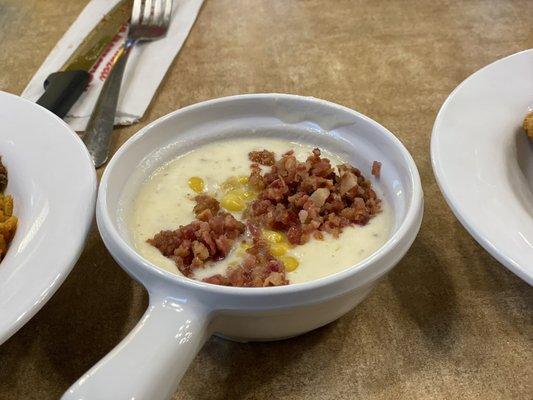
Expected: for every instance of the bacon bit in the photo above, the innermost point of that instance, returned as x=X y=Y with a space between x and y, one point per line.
x=263 y=157
x=253 y=229
x=256 y=180
x=260 y=268
x=216 y=280
x=376 y=169
x=200 y=251
x=318 y=235
x=275 y=279
x=206 y=202
x=210 y=237
x=294 y=235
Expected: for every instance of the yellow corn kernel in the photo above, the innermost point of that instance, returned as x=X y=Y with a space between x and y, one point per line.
x=243 y=180
x=232 y=202
x=248 y=195
x=289 y=262
x=278 y=249
x=231 y=183
x=244 y=195
x=237 y=192
x=196 y=184
x=241 y=250
x=273 y=236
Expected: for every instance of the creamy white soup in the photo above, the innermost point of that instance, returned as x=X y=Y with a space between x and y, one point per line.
x=165 y=201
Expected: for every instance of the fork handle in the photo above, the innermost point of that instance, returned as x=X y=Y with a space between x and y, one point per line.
x=97 y=136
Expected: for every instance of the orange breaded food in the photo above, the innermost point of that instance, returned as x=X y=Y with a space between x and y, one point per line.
x=528 y=124
x=8 y=222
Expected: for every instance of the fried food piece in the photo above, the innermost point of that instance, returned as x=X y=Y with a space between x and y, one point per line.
x=528 y=124
x=376 y=169
x=3 y=176
x=8 y=222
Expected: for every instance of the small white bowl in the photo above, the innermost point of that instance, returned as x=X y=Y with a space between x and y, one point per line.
x=183 y=313
x=53 y=184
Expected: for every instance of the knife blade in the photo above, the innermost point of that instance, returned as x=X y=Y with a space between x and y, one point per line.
x=64 y=87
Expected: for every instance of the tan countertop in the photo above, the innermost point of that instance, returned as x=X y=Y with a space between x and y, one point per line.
x=449 y=322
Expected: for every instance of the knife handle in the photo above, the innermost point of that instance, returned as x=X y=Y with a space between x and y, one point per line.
x=62 y=89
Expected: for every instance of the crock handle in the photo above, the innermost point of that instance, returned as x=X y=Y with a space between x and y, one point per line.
x=149 y=363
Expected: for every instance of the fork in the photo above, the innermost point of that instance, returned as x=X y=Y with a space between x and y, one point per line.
x=149 y=21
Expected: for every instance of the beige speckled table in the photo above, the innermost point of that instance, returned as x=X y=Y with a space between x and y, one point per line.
x=449 y=322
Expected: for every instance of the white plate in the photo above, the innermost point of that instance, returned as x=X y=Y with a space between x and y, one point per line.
x=53 y=182
x=483 y=161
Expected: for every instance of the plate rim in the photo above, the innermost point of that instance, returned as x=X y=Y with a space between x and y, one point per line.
x=15 y=322
x=466 y=222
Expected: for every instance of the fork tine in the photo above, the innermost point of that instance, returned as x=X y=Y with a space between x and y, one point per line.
x=147 y=12
x=136 y=13
x=151 y=21
x=167 y=13
x=158 y=13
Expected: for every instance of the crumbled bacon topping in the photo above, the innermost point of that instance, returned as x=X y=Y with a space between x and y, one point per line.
x=205 y=202
x=258 y=269
x=301 y=198
x=209 y=238
x=263 y=157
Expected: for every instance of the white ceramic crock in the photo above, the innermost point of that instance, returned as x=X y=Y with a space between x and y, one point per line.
x=183 y=313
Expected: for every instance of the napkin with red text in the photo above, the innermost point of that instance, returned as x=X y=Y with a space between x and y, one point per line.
x=145 y=70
